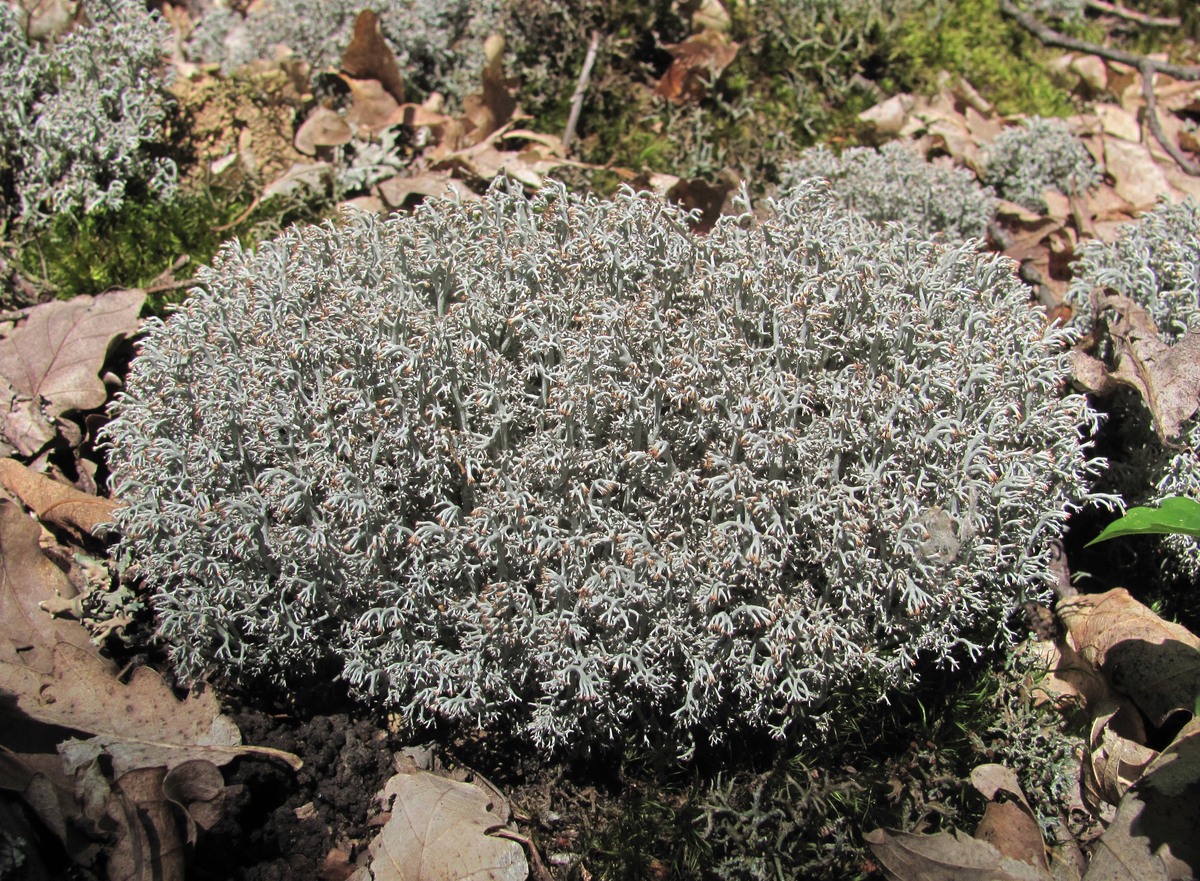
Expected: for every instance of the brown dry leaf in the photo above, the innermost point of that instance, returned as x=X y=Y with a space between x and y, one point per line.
x=57 y=352
x=945 y=856
x=484 y=161
x=1153 y=835
x=301 y=176
x=147 y=844
x=372 y=107
x=705 y=15
x=324 y=128
x=140 y=724
x=890 y=117
x=1166 y=376
x=53 y=502
x=24 y=424
x=487 y=112
x=368 y=57
x=699 y=60
x=1155 y=662
x=1114 y=762
x=27 y=579
x=46 y=19
x=395 y=191
x=439 y=831
x=1010 y=826
x=1138 y=179
x=197 y=788
x=711 y=200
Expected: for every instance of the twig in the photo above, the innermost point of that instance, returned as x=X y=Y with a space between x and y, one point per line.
x=1148 y=67
x=1156 y=128
x=1133 y=15
x=1051 y=37
x=237 y=220
x=539 y=868
x=580 y=90
x=170 y=285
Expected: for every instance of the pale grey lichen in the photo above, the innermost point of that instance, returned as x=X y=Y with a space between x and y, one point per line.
x=1155 y=261
x=558 y=464
x=79 y=117
x=438 y=43
x=1039 y=155
x=898 y=184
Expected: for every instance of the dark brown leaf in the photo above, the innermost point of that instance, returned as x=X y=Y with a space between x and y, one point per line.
x=369 y=57
x=699 y=60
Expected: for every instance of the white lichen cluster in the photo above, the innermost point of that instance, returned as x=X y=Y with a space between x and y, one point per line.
x=80 y=117
x=1039 y=155
x=555 y=463
x=898 y=184
x=438 y=43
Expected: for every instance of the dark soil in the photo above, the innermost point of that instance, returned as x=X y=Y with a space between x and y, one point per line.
x=305 y=825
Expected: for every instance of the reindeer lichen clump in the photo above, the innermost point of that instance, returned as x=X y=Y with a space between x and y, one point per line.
x=556 y=463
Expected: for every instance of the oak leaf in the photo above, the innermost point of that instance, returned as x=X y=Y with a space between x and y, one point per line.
x=439 y=831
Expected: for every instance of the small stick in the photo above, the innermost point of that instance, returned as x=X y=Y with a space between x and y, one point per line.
x=580 y=90
x=1051 y=37
x=1134 y=15
x=1147 y=70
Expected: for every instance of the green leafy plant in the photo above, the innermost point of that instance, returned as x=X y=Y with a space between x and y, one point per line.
x=1173 y=516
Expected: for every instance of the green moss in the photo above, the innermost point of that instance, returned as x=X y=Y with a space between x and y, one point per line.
x=770 y=810
x=973 y=38
x=135 y=246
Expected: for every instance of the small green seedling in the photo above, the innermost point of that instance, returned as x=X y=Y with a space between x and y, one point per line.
x=1174 y=516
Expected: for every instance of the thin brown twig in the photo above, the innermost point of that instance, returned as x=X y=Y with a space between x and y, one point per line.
x=170 y=285
x=1156 y=128
x=237 y=220
x=581 y=90
x=1133 y=15
x=1051 y=37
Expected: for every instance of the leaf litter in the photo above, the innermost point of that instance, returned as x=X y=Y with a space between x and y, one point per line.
x=145 y=778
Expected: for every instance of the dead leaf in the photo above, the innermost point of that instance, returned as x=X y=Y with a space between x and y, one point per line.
x=890 y=117
x=1114 y=762
x=324 y=128
x=699 y=60
x=710 y=200
x=197 y=788
x=395 y=191
x=1166 y=376
x=486 y=112
x=1137 y=178
x=28 y=579
x=301 y=176
x=368 y=57
x=945 y=857
x=1155 y=662
x=57 y=352
x=1153 y=835
x=56 y=503
x=147 y=841
x=372 y=107
x=140 y=724
x=1008 y=825
x=438 y=831
x=25 y=426
x=705 y=15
